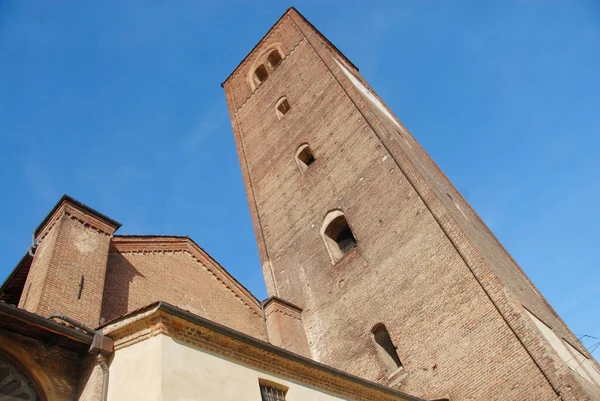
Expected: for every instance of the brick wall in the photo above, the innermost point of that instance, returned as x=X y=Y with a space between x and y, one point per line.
x=73 y=245
x=141 y=271
x=439 y=285
x=285 y=326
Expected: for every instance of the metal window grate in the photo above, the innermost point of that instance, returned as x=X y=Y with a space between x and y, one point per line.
x=269 y=393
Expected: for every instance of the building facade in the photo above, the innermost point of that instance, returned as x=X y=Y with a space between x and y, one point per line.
x=358 y=227
x=382 y=281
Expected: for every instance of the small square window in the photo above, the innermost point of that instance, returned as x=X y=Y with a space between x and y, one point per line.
x=272 y=393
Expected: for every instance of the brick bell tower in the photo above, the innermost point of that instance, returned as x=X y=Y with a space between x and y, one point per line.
x=399 y=280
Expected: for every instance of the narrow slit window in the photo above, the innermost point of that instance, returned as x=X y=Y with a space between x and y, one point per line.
x=283 y=106
x=260 y=74
x=386 y=349
x=272 y=392
x=337 y=235
x=304 y=157
x=274 y=58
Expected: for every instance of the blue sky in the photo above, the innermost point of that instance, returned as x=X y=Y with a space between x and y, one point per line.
x=119 y=105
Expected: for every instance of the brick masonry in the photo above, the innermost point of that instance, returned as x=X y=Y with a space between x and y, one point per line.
x=53 y=369
x=426 y=265
x=123 y=273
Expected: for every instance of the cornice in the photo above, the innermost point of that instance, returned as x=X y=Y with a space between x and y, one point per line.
x=80 y=216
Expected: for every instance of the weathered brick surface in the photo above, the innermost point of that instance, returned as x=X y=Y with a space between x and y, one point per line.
x=425 y=265
x=142 y=271
x=69 y=248
x=139 y=271
x=34 y=285
x=53 y=369
x=285 y=327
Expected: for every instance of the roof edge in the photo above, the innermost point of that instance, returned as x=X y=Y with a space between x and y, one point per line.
x=68 y=199
x=49 y=325
x=281 y=301
x=194 y=246
x=20 y=265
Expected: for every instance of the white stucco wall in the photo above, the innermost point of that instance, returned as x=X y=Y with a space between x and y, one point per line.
x=163 y=369
x=136 y=372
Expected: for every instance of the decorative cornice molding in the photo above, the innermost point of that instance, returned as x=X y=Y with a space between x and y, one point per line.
x=278 y=305
x=75 y=213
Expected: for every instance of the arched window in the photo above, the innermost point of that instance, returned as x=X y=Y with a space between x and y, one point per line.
x=14 y=384
x=282 y=107
x=304 y=157
x=264 y=65
x=386 y=349
x=260 y=74
x=274 y=58
x=337 y=235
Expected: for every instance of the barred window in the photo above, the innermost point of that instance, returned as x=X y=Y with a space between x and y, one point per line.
x=270 y=393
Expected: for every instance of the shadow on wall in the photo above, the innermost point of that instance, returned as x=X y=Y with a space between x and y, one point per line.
x=119 y=276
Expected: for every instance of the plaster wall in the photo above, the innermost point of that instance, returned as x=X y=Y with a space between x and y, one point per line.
x=161 y=368
x=135 y=372
x=193 y=374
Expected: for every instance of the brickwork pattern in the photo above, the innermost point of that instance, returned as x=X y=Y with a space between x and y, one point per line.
x=144 y=271
x=425 y=264
x=286 y=327
x=68 y=271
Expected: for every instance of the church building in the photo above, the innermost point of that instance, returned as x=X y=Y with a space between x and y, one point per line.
x=383 y=282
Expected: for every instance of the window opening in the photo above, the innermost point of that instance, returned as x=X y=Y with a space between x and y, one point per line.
x=270 y=392
x=260 y=74
x=283 y=106
x=274 y=59
x=304 y=157
x=386 y=348
x=15 y=384
x=337 y=235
